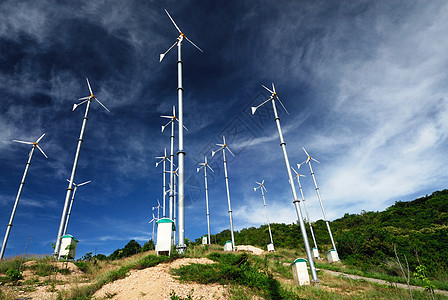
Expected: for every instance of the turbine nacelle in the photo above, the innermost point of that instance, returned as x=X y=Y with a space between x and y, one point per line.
x=173 y=118
x=260 y=185
x=273 y=97
x=309 y=158
x=204 y=165
x=223 y=147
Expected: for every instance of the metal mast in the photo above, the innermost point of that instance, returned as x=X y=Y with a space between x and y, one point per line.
x=308 y=160
x=223 y=148
x=296 y=201
x=181 y=152
x=205 y=166
x=71 y=203
x=75 y=165
x=22 y=182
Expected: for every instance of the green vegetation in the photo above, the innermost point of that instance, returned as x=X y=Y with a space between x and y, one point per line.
x=418 y=228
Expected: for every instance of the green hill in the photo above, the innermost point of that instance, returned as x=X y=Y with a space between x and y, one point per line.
x=418 y=228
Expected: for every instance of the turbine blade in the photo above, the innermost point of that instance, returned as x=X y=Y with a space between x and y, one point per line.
x=273 y=88
x=224 y=139
x=264 y=188
x=84 y=183
x=102 y=104
x=84 y=98
x=174 y=110
x=173 y=21
x=193 y=44
x=41 y=150
x=257 y=182
x=168 y=117
x=38 y=140
x=305 y=151
x=230 y=151
x=295 y=171
x=315 y=160
x=210 y=168
x=268 y=89
x=90 y=89
x=262 y=182
x=185 y=127
x=222 y=145
x=282 y=105
x=22 y=142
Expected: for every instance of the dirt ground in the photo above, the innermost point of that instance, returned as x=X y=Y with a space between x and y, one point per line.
x=157 y=283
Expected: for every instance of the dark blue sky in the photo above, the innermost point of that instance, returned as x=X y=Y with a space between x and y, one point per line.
x=364 y=82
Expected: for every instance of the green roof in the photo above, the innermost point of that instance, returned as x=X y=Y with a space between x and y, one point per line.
x=69 y=236
x=330 y=250
x=228 y=242
x=298 y=260
x=166 y=220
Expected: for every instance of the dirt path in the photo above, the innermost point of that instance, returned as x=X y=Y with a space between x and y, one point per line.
x=157 y=283
x=400 y=285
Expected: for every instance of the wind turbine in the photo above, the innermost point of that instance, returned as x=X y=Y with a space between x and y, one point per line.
x=87 y=99
x=71 y=202
x=172 y=119
x=308 y=161
x=181 y=152
x=163 y=159
x=316 y=254
x=158 y=209
x=30 y=155
x=296 y=201
x=263 y=189
x=223 y=148
x=153 y=220
x=205 y=166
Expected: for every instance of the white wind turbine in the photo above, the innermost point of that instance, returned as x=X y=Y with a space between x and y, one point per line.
x=316 y=252
x=71 y=203
x=181 y=152
x=172 y=119
x=87 y=99
x=163 y=159
x=158 y=209
x=153 y=220
x=296 y=201
x=204 y=166
x=308 y=161
x=223 y=148
x=30 y=155
x=263 y=189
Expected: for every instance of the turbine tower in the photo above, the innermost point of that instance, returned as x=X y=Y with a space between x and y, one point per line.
x=30 y=155
x=71 y=203
x=315 y=250
x=87 y=99
x=223 y=148
x=308 y=161
x=205 y=166
x=263 y=189
x=296 y=201
x=173 y=118
x=181 y=152
x=163 y=159
x=153 y=220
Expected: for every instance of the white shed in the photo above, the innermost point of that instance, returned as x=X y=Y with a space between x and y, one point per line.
x=271 y=247
x=228 y=246
x=332 y=256
x=300 y=271
x=68 y=247
x=204 y=240
x=165 y=228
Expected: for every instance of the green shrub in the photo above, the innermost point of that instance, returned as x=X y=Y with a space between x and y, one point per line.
x=14 y=275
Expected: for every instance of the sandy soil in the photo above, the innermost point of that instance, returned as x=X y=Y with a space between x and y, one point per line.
x=157 y=283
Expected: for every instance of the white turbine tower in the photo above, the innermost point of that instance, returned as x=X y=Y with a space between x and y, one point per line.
x=163 y=159
x=30 y=155
x=205 y=166
x=87 y=99
x=315 y=250
x=181 y=152
x=263 y=189
x=308 y=161
x=158 y=209
x=296 y=201
x=173 y=118
x=71 y=203
x=223 y=148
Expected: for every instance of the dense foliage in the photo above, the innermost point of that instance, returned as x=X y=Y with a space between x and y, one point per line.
x=418 y=228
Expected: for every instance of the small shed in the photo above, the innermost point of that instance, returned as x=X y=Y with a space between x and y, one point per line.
x=68 y=247
x=316 y=253
x=271 y=247
x=204 y=240
x=332 y=256
x=228 y=246
x=300 y=272
x=165 y=228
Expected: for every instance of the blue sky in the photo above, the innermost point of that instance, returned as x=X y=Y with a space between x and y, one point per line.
x=364 y=83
